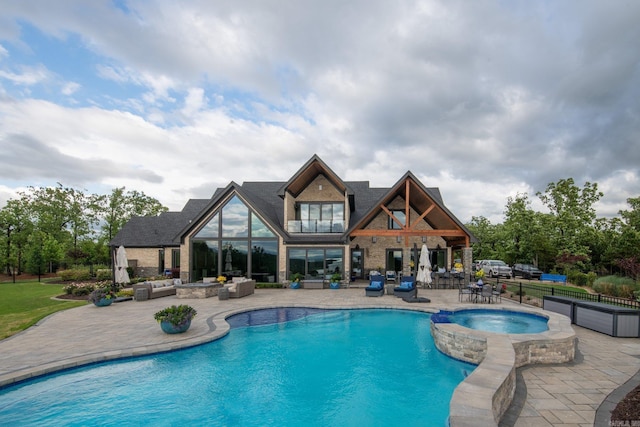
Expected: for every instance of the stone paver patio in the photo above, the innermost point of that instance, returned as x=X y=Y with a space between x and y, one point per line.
x=547 y=395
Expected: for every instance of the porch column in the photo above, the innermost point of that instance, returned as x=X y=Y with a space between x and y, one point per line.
x=467 y=259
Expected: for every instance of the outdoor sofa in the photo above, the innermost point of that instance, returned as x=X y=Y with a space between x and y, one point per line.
x=241 y=287
x=154 y=289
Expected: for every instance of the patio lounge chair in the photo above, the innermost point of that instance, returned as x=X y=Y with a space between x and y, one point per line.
x=390 y=276
x=376 y=286
x=407 y=288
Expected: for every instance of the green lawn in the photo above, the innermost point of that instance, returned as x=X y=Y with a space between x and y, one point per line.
x=24 y=303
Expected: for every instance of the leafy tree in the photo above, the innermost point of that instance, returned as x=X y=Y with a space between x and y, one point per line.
x=121 y=205
x=487 y=234
x=16 y=224
x=572 y=215
x=65 y=214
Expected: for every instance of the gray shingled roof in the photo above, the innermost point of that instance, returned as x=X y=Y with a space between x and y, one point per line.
x=164 y=230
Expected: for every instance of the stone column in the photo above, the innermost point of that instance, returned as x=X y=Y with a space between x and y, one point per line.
x=467 y=259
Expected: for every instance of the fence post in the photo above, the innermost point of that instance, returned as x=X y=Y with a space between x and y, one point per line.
x=520 y=285
x=599 y=298
x=552 y=290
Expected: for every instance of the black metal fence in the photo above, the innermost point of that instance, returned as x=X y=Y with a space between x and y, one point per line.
x=526 y=291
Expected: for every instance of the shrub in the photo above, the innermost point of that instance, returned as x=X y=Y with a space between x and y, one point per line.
x=577 y=278
x=616 y=286
x=75 y=274
x=103 y=274
x=125 y=293
x=79 y=289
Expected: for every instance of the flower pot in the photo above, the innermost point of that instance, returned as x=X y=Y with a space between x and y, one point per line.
x=170 y=328
x=103 y=302
x=334 y=285
x=295 y=285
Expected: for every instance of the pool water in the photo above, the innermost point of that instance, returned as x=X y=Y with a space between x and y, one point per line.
x=502 y=321
x=343 y=367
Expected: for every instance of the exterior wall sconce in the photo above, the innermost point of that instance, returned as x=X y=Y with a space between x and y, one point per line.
x=424 y=239
x=398 y=239
x=374 y=239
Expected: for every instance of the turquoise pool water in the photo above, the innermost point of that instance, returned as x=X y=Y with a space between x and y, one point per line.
x=311 y=368
x=502 y=321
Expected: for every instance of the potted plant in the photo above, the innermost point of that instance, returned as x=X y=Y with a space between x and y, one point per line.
x=102 y=296
x=479 y=276
x=295 y=280
x=221 y=279
x=175 y=319
x=335 y=281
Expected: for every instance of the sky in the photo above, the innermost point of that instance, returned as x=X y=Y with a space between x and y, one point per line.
x=482 y=99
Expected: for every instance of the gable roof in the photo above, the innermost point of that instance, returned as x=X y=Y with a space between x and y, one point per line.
x=307 y=173
x=266 y=198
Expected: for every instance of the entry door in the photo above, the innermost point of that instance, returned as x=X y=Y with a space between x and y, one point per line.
x=356 y=264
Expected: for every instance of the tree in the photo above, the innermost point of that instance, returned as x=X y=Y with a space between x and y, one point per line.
x=572 y=215
x=16 y=224
x=120 y=206
x=65 y=214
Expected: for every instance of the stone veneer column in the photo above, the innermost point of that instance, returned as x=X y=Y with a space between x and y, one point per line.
x=467 y=259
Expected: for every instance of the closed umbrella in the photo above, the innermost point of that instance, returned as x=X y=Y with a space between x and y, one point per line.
x=121 y=274
x=227 y=263
x=424 y=267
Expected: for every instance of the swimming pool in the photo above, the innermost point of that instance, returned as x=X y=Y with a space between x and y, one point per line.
x=501 y=321
x=340 y=367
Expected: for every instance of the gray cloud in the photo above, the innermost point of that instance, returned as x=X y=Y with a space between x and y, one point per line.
x=24 y=156
x=482 y=99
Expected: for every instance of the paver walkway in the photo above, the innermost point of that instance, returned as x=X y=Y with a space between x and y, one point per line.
x=558 y=395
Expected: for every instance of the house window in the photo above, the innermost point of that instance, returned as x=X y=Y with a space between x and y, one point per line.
x=318 y=217
x=399 y=214
x=235 y=242
x=175 y=258
x=316 y=263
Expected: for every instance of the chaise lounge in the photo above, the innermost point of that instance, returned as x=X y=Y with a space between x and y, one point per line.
x=407 y=288
x=376 y=286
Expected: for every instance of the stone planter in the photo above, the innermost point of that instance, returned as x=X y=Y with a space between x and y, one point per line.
x=170 y=328
x=103 y=302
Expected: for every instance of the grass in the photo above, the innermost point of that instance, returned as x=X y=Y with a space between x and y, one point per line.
x=25 y=303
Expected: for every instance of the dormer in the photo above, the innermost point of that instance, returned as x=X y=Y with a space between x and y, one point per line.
x=316 y=200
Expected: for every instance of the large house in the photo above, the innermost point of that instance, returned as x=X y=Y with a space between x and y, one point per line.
x=315 y=224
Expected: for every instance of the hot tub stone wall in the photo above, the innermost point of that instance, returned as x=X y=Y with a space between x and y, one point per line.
x=485 y=395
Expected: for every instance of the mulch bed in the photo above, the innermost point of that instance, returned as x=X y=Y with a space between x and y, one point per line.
x=628 y=409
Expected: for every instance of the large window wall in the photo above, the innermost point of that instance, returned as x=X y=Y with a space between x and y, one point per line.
x=316 y=263
x=235 y=242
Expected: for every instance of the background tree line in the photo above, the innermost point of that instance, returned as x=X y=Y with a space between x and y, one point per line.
x=51 y=227
x=569 y=238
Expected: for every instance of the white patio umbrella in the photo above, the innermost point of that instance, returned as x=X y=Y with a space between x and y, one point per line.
x=121 y=274
x=424 y=267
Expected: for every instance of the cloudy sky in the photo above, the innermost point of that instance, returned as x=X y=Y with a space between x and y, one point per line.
x=483 y=99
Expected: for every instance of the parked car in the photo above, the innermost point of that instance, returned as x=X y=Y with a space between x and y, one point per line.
x=495 y=268
x=526 y=271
